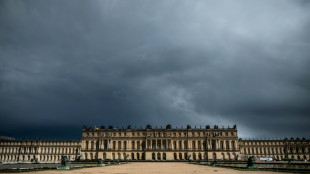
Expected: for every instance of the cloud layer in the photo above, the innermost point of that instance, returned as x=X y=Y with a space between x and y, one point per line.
x=69 y=63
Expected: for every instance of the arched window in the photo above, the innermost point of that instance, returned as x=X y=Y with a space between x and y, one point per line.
x=138 y=145
x=143 y=145
x=158 y=144
x=158 y=156
x=97 y=145
x=105 y=144
x=233 y=145
x=180 y=156
x=114 y=145
x=185 y=144
x=132 y=156
x=133 y=145
x=119 y=145
x=221 y=144
x=204 y=145
x=143 y=156
x=164 y=144
x=153 y=144
x=92 y=145
x=214 y=156
x=125 y=145
x=138 y=156
x=174 y=145
x=180 y=144
x=214 y=144
x=199 y=156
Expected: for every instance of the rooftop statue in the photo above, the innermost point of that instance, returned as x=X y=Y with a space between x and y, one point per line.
x=148 y=126
x=168 y=126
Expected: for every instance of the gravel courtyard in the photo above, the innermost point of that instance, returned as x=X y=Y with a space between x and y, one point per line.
x=153 y=167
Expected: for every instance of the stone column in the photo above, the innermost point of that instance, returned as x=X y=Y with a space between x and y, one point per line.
x=158 y=146
x=146 y=144
x=129 y=144
x=209 y=144
x=134 y=145
x=197 y=147
x=151 y=145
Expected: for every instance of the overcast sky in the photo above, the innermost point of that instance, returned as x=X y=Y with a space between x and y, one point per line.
x=64 y=64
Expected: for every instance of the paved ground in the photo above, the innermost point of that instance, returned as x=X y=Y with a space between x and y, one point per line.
x=37 y=166
x=153 y=167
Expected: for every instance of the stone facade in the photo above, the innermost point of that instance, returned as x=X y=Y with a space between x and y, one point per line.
x=38 y=151
x=160 y=144
x=276 y=149
x=154 y=144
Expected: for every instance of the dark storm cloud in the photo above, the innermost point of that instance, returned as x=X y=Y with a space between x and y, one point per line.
x=69 y=63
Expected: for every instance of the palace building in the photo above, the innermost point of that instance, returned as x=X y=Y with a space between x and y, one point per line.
x=154 y=144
